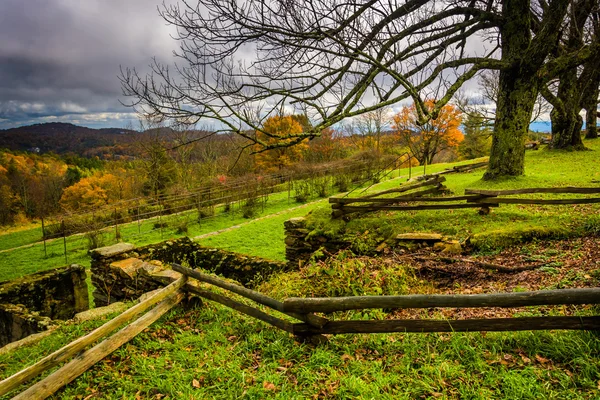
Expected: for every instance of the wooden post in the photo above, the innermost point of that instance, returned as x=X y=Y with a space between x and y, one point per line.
x=78 y=345
x=67 y=373
x=44 y=239
x=116 y=226
x=159 y=219
x=64 y=240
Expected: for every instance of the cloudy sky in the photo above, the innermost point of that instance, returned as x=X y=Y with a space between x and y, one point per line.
x=60 y=59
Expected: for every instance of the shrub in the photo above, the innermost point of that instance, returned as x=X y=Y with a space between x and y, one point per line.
x=181 y=227
x=342 y=182
x=158 y=225
x=205 y=212
x=94 y=239
x=344 y=275
x=250 y=207
x=302 y=191
x=321 y=186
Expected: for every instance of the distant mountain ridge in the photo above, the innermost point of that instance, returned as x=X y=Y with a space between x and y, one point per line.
x=62 y=138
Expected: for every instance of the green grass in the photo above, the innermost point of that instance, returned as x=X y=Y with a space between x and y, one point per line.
x=213 y=352
x=27 y=260
x=20 y=238
x=506 y=225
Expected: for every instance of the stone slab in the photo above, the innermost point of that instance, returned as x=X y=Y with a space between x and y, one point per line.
x=109 y=251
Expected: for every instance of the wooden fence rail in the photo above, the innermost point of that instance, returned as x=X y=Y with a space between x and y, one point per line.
x=299 y=307
x=475 y=198
x=302 y=309
x=163 y=301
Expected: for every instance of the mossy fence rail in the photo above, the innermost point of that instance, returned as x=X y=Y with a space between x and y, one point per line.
x=302 y=309
x=413 y=200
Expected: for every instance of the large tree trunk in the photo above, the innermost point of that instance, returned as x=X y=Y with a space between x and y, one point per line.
x=566 y=121
x=517 y=90
x=590 y=122
x=590 y=102
x=513 y=112
x=566 y=130
x=571 y=93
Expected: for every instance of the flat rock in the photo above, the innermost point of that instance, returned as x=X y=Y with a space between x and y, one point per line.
x=109 y=251
x=99 y=312
x=420 y=237
x=129 y=267
x=167 y=276
x=452 y=247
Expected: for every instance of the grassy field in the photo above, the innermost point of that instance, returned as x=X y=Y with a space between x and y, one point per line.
x=214 y=352
x=32 y=258
x=505 y=225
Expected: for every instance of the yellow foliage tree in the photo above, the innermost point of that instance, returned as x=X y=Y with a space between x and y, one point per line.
x=277 y=130
x=96 y=191
x=437 y=135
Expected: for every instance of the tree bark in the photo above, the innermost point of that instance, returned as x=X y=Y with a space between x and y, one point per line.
x=590 y=100
x=517 y=94
x=519 y=83
x=590 y=122
x=514 y=108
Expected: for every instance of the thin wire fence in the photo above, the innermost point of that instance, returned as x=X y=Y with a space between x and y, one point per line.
x=152 y=219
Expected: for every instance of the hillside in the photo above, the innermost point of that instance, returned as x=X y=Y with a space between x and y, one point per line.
x=64 y=138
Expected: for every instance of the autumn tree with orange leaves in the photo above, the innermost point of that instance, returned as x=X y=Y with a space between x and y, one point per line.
x=279 y=130
x=428 y=140
x=95 y=191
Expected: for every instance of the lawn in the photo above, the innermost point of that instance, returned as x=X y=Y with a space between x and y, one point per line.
x=32 y=258
x=506 y=225
x=215 y=352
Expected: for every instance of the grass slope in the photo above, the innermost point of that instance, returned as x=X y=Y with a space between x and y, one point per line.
x=26 y=260
x=213 y=352
x=506 y=224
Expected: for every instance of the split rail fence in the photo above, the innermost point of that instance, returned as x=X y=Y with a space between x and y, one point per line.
x=302 y=309
x=412 y=200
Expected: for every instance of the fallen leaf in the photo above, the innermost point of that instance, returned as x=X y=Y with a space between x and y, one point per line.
x=269 y=386
x=541 y=360
x=196 y=383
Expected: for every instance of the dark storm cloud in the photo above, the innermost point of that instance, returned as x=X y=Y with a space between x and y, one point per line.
x=59 y=59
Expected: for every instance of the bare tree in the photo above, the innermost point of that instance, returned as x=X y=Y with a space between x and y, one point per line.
x=241 y=62
x=373 y=124
x=574 y=88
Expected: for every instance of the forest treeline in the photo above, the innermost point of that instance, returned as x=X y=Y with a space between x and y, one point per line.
x=168 y=162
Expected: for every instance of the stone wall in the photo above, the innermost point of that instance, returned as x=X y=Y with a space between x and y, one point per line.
x=58 y=294
x=17 y=322
x=29 y=304
x=299 y=245
x=123 y=271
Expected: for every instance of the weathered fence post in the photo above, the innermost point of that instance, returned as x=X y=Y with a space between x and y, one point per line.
x=64 y=239
x=44 y=239
x=116 y=226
